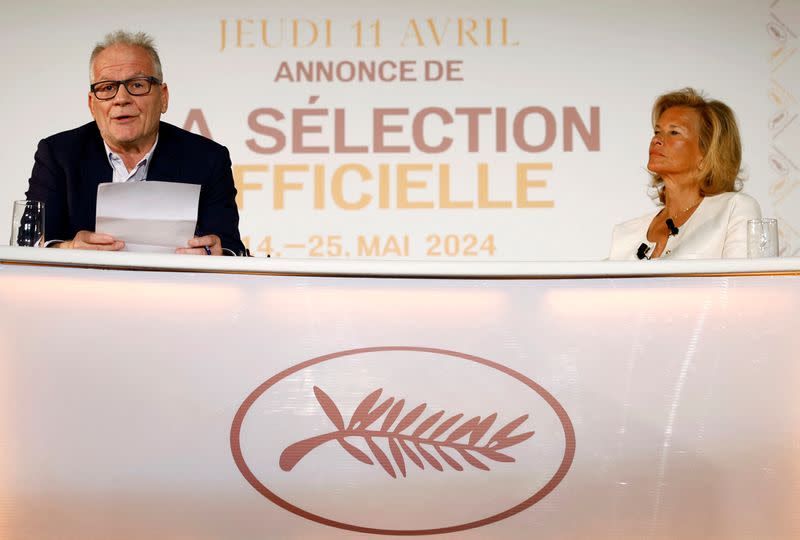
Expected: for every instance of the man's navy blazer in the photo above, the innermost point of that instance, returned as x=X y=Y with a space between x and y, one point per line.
x=69 y=166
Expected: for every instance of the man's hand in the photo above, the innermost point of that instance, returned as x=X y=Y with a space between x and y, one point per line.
x=203 y=245
x=91 y=240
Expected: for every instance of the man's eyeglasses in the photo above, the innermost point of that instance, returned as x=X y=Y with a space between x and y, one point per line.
x=138 y=86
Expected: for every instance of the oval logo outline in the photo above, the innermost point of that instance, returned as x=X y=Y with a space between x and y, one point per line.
x=252 y=479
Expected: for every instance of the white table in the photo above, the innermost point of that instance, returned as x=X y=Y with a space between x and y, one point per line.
x=153 y=396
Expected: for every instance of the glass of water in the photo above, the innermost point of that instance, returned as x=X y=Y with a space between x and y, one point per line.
x=27 y=224
x=762 y=238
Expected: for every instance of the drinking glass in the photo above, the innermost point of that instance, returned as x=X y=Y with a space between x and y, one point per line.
x=762 y=238
x=27 y=224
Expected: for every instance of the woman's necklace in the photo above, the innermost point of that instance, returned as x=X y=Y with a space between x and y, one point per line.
x=670 y=221
x=679 y=213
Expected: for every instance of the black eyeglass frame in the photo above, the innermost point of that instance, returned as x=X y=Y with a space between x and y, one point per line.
x=152 y=80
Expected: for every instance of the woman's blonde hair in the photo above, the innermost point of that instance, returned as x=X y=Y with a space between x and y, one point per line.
x=720 y=143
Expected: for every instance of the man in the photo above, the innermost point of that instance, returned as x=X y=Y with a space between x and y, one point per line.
x=128 y=142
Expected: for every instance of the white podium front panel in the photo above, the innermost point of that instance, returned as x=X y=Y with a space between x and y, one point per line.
x=143 y=404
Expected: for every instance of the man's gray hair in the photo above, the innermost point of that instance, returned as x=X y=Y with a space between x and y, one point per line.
x=134 y=39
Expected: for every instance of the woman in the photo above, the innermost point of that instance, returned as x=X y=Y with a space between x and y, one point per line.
x=695 y=154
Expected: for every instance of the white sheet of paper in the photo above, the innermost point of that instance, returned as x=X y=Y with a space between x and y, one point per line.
x=148 y=216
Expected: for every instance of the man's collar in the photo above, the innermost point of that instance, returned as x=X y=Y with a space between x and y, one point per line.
x=111 y=155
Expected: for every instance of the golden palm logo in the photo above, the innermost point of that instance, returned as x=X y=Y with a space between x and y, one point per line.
x=420 y=445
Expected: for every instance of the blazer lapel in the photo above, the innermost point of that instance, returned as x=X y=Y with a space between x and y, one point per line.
x=166 y=164
x=95 y=168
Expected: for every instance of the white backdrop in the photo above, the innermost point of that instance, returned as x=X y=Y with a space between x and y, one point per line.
x=613 y=58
